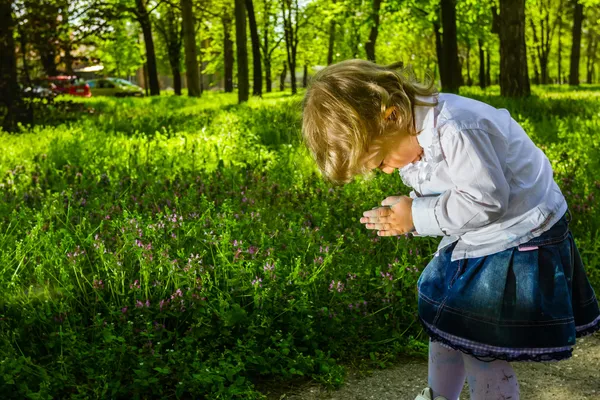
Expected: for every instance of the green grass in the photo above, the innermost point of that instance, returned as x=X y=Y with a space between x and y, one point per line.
x=186 y=248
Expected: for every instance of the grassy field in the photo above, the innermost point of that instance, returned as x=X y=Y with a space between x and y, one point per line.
x=186 y=248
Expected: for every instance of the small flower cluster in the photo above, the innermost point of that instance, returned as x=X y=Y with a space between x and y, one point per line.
x=76 y=254
x=339 y=286
x=412 y=269
x=257 y=280
x=194 y=260
x=270 y=269
x=357 y=305
x=387 y=275
x=135 y=285
x=98 y=284
x=139 y=304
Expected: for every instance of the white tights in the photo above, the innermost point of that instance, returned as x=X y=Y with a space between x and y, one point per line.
x=487 y=380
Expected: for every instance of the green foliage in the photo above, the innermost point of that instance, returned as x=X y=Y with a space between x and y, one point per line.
x=121 y=51
x=173 y=247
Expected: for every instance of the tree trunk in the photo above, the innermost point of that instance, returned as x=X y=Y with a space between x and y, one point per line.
x=176 y=79
x=536 y=72
x=290 y=29
x=268 y=79
x=242 y=50
x=144 y=19
x=439 y=49
x=305 y=76
x=592 y=43
x=330 y=48
x=469 y=80
x=451 y=77
x=256 y=61
x=482 y=82
x=514 y=81
x=282 y=77
x=370 y=45
x=488 y=75
x=559 y=51
x=576 y=47
x=227 y=52
x=189 y=41
x=9 y=86
x=266 y=51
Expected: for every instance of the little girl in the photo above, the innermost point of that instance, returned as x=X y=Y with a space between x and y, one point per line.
x=507 y=282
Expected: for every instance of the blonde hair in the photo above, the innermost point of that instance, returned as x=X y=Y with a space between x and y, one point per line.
x=344 y=109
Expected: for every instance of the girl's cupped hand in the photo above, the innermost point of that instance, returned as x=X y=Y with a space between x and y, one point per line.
x=394 y=218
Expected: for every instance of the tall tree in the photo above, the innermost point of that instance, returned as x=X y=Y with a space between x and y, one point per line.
x=330 y=47
x=170 y=27
x=227 y=50
x=269 y=19
x=191 y=56
x=374 y=31
x=559 y=50
x=482 y=82
x=544 y=17
x=44 y=25
x=139 y=10
x=256 y=59
x=592 y=51
x=291 y=16
x=9 y=87
x=282 y=77
x=451 y=78
x=242 y=50
x=576 y=47
x=510 y=26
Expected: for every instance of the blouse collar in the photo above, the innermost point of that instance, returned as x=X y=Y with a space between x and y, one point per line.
x=425 y=121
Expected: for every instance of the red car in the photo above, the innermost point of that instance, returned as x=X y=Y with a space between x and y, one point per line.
x=71 y=85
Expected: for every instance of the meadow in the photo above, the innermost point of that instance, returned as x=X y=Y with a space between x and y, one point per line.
x=171 y=247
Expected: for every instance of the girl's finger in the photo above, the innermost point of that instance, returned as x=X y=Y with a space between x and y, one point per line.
x=378 y=212
x=392 y=232
x=374 y=220
x=382 y=227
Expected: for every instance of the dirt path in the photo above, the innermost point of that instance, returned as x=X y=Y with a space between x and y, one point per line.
x=577 y=378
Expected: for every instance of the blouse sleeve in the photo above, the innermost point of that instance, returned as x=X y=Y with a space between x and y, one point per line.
x=480 y=193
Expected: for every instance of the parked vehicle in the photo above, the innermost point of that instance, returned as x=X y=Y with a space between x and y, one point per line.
x=114 y=87
x=64 y=84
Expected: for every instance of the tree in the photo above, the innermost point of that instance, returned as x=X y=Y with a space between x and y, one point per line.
x=227 y=50
x=451 y=77
x=119 y=50
x=242 y=51
x=510 y=26
x=544 y=18
x=374 y=31
x=267 y=49
x=291 y=15
x=482 y=80
x=576 y=47
x=170 y=26
x=189 y=40
x=10 y=100
x=331 y=42
x=256 y=61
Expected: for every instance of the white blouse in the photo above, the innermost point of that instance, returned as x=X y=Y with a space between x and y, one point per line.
x=481 y=181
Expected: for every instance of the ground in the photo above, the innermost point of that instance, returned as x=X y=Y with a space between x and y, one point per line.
x=577 y=378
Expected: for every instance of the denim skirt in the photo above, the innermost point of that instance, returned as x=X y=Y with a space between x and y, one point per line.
x=526 y=303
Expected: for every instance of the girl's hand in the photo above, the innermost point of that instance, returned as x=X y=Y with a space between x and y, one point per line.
x=394 y=218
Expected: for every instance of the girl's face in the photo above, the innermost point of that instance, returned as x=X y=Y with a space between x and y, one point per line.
x=395 y=152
